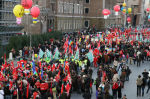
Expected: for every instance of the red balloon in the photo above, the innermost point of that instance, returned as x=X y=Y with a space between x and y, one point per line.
x=147 y=9
x=117 y=8
x=105 y=12
x=27 y=4
x=129 y=19
x=35 y=12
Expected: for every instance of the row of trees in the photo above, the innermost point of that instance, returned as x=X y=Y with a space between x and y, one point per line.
x=18 y=42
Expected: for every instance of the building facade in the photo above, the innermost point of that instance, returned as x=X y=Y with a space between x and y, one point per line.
x=93 y=13
x=8 y=26
x=69 y=15
x=45 y=19
x=137 y=15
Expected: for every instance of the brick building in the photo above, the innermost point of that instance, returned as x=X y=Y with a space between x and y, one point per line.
x=69 y=15
x=93 y=13
x=45 y=19
x=8 y=26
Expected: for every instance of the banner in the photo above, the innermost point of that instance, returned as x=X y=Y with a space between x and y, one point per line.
x=90 y=55
x=41 y=53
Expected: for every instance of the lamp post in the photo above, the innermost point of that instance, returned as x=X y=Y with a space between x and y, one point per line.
x=19 y=11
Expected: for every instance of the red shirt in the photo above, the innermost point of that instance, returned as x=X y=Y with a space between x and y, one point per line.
x=44 y=86
x=37 y=84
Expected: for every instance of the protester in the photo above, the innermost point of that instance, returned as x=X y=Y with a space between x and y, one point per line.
x=148 y=83
x=139 y=83
x=58 y=68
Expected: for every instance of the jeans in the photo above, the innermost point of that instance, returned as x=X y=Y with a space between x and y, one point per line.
x=138 y=63
x=143 y=87
x=115 y=93
x=127 y=77
x=138 y=90
x=8 y=97
x=148 y=89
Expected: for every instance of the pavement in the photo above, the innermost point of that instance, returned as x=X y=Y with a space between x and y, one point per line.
x=130 y=86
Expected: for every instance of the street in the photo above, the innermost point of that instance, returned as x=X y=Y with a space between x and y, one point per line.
x=130 y=86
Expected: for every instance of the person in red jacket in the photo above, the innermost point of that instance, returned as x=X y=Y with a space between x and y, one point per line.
x=37 y=84
x=114 y=89
x=44 y=89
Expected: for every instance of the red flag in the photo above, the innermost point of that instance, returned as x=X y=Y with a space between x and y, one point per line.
x=10 y=85
x=99 y=44
x=70 y=50
x=1 y=76
x=104 y=76
x=65 y=79
x=27 y=95
x=12 y=64
x=116 y=40
x=62 y=88
x=58 y=76
x=66 y=45
x=53 y=68
x=76 y=47
x=40 y=64
x=34 y=95
x=131 y=42
x=67 y=88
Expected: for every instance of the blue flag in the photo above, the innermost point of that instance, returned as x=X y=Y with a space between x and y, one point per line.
x=49 y=54
x=77 y=54
x=90 y=56
x=56 y=55
x=137 y=37
x=33 y=67
x=42 y=72
x=41 y=53
x=141 y=37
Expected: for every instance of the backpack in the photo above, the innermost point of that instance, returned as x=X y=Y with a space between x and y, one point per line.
x=115 y=86
x=15 y=93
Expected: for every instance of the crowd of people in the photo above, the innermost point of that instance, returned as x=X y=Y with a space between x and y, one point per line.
x=58 y=68
x=142 y=82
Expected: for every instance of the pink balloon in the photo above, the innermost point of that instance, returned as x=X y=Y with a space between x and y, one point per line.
x=105 y=12
x=129 y=19
x=18 y=20
x=117 y=8
x=147 y=9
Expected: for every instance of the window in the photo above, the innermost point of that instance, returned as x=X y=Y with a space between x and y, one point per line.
x=86 y=10
x=87 y=1
x=86 y=23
